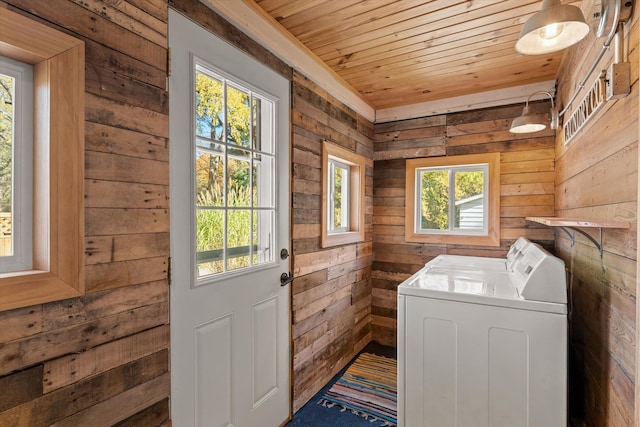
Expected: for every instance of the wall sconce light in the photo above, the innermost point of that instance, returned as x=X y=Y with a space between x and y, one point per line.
x=528 y=122
x=555 y=27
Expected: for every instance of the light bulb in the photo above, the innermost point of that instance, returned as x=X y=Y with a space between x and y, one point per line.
x=551 y=31
x=528 y=128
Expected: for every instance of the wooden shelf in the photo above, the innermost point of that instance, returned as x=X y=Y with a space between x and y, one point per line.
x=578 y=222
x=566 y=224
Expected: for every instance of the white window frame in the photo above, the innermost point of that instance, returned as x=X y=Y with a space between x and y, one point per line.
x=451 y=171
x=22 y=167
x=268 y=232
x=345 y=193
x=460 y=236
x=353 y=200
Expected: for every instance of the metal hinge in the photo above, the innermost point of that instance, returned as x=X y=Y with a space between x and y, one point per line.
x=168 y=62
x=169 y=270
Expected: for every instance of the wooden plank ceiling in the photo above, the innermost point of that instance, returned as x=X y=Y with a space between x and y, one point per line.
x=402 y=52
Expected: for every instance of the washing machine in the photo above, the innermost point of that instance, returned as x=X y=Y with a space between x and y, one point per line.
x=484 y=347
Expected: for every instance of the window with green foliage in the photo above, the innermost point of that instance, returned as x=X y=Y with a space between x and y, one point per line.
x=453 y=199
x=234 y=173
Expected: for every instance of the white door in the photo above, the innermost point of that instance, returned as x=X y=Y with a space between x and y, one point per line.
x=229 y=146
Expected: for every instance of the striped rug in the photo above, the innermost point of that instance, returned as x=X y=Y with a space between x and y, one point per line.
x=368 y=389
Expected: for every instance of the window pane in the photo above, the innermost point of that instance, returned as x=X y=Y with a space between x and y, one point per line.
x=239 y=239
x=339 y=195
x=263 y=175
x=209 y=179
x=434 y=195
x=238 y=117
x=263 y=236
x=209 y=107
x=469 y=203
x=7 y=84
x=256 y=123
x=262 y=131
x=238 y=178
x=209 y=241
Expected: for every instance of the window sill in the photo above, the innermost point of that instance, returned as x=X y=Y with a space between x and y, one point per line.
x=42 y=287
x=342 y=238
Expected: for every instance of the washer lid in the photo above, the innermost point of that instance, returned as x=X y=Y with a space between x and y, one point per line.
x=472 y=286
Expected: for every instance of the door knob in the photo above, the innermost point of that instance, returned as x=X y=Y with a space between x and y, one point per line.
x=285 y=279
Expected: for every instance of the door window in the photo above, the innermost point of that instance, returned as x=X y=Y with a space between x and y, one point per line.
x=234 y=174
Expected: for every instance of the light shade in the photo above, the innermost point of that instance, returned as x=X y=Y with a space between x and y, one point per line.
x=554 y=28
x=528 y=122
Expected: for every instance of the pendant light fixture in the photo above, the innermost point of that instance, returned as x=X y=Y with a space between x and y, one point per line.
x=555 y=27
x=528 y=122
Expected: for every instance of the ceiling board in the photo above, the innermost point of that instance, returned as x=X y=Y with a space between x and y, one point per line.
x=404 y=52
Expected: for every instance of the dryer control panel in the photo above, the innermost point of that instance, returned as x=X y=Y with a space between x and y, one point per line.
x=516 y=251
x=540 y=276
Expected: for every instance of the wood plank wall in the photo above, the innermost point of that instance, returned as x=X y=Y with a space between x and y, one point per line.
x=110 y=347
x=103 y=359
x=527 y=189
x=596 y=177
x=332 y=291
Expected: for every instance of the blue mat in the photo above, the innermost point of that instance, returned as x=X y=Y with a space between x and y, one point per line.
x=367 y=389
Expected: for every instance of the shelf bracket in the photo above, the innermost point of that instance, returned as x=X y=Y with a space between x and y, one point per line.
x=571 y=236
x=597 y=244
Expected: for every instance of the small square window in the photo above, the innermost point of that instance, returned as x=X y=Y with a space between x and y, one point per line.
x=343 y=175
x=453 y=200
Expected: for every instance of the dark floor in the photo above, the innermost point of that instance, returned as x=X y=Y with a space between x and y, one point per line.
x=314 y=415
